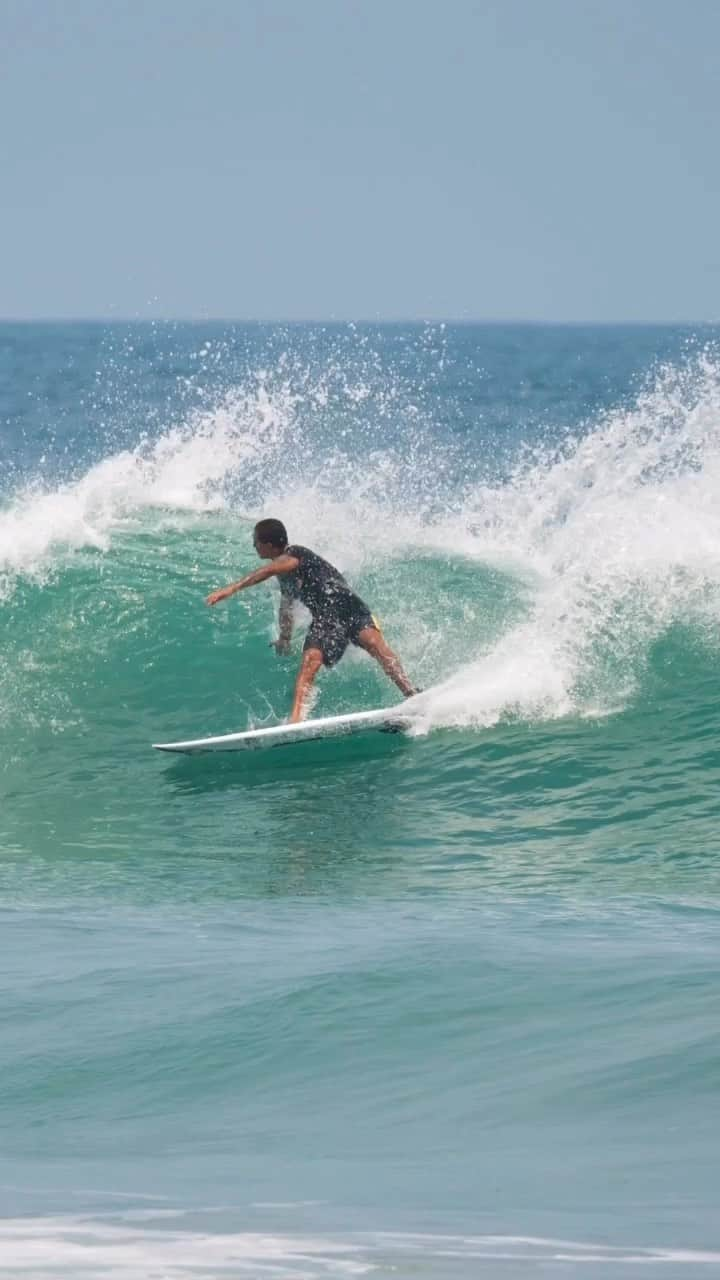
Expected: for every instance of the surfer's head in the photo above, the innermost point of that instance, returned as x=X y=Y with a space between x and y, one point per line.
x=270 y=538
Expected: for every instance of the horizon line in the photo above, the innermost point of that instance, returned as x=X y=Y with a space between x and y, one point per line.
x=363 y=320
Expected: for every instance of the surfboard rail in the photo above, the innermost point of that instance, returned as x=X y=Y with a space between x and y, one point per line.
x=390 y=719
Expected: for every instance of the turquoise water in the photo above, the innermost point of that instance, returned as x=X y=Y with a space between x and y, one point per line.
x=439 y=1005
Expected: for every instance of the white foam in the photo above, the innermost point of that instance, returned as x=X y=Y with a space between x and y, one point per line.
x=43 y=1248
x=183 y=471
x=622 y=535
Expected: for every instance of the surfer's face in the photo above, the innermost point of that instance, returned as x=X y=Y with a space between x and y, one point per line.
x=265 y=550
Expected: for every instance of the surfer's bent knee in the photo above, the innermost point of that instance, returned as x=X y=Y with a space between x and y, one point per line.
x=371 y=638
x=312 y=659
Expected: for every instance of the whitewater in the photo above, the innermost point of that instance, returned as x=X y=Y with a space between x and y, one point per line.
x=442 y=1002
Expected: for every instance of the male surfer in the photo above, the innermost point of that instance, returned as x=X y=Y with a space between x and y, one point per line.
x=339 y=617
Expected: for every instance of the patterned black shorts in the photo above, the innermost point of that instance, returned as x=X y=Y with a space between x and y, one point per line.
x=333 y=632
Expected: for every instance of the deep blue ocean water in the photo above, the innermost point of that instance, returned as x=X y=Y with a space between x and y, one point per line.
x=440 y=1005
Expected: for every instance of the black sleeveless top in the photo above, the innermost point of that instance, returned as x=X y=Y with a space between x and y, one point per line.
x=318 y=585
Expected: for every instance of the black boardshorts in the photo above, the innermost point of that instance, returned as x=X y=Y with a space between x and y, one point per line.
x=332 y=632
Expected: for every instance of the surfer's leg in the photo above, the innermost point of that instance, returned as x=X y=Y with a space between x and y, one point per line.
x=312 y=661
x=375 y=644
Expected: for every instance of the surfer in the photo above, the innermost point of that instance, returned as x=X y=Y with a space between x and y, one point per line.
x=339 y=617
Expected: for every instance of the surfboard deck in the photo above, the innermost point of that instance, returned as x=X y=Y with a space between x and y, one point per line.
x=386 y=719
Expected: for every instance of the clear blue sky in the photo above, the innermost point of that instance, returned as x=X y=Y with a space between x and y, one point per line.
x=290 y=159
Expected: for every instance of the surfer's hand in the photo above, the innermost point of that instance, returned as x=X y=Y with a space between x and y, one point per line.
x=281 y=647
x=216 y=596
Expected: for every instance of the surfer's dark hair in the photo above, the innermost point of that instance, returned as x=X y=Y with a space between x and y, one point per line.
x=272 y=531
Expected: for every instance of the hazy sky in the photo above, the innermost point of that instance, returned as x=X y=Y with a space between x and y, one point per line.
x=538 y=159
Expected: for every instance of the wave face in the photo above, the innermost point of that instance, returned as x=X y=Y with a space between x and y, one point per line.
x=443 y=987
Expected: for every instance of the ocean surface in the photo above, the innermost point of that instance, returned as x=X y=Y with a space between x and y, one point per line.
x=443 y=1005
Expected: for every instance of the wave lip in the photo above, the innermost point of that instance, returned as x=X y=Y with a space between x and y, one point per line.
x=618 y=540
x=183 y=471
x=609 y=540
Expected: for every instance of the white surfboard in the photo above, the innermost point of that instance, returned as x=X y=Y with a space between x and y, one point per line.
x=388 y=719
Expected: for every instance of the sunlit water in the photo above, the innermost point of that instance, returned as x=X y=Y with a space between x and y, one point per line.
x=443 y=1004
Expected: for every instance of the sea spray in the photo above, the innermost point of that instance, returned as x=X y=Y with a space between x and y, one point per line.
x=443 y=1003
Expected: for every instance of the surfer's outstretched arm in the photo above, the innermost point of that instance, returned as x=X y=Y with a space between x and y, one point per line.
x=283 y=564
